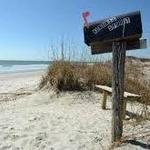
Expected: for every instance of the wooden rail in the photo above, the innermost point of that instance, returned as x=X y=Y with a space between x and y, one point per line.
x=108 y=91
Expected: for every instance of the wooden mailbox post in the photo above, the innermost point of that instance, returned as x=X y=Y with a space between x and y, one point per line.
x=116 y=34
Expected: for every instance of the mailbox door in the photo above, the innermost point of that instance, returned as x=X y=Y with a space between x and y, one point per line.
x=126 y=26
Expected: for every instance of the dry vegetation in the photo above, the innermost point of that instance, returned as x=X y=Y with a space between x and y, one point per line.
x=63 y=75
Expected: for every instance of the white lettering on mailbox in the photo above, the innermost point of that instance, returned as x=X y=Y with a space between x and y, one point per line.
x=103 y=25
x=112 y=24
x=119 y=23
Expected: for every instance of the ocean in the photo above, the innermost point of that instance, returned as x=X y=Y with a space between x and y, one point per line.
x=13 y=66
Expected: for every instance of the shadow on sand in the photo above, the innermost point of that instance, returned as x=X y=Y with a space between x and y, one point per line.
x=138 y=143
x=135 y=142
x=132 y=115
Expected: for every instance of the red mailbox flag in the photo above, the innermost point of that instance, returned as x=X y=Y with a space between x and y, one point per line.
x=85 y=15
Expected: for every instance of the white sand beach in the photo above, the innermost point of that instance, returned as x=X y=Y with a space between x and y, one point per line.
x=31 y=119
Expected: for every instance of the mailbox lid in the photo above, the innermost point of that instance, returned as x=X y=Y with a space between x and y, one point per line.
x=126 y=26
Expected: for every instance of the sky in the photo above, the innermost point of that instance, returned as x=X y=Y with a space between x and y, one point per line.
x=30 y=28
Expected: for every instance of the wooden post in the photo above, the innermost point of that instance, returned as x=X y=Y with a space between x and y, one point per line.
x=119 y=53
x=104 y=100
x=124 y=108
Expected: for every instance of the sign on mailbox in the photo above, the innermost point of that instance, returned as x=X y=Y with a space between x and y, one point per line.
x=127 y=26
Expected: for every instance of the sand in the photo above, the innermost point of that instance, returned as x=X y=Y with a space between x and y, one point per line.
x=31 y=119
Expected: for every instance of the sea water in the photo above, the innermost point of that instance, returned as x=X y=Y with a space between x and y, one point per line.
x=13 y=66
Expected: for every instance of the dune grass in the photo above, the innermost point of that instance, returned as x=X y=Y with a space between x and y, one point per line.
x=65 y=75
x=72 y=76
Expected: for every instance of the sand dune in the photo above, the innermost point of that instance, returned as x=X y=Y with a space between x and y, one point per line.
x=39 y=120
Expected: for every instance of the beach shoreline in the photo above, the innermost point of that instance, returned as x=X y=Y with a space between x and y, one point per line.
x=22 y=73
x=12 y=66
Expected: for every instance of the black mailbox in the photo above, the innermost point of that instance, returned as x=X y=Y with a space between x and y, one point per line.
x=127 y=26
